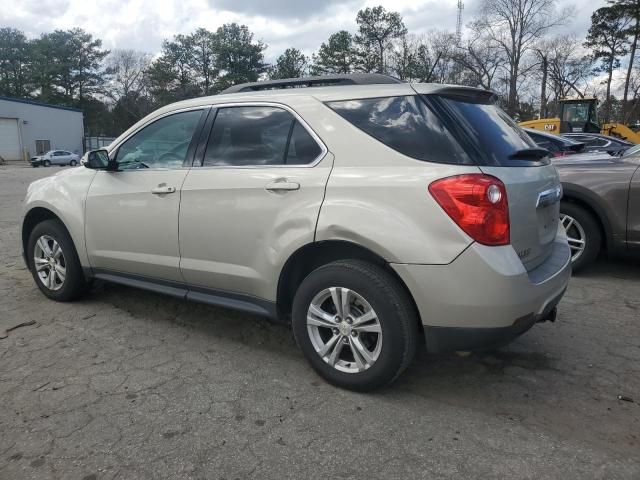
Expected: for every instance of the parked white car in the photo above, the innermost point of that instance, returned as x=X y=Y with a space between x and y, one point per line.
x=55 y=157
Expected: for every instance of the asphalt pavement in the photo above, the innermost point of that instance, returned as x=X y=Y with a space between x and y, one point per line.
x=127 y=384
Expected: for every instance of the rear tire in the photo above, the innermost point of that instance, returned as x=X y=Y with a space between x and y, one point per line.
x=374 y=351
x=583 y=233
x=58 y=275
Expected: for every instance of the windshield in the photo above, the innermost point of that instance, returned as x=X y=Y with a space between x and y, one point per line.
x=631 y=151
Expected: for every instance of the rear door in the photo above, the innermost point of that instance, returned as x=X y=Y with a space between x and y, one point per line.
x=252 y=199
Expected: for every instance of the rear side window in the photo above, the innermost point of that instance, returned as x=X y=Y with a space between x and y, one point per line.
x=404 y=124
x=257 y=135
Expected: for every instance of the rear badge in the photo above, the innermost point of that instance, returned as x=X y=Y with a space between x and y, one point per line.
x=524 y=253
x=549 y=197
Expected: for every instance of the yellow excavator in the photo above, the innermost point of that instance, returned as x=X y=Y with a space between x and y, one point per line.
x=581 y=115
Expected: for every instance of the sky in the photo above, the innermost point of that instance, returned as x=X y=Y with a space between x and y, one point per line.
x=304 y=24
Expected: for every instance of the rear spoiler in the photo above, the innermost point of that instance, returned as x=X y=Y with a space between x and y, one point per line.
x=467 y=94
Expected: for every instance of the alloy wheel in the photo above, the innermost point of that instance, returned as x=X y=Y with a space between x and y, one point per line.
x=575 y=236
x=344 y=329
x=49 y=262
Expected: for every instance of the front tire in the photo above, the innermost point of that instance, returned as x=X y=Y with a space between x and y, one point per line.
x=583 y=234
x=46 y=163
x=73 y=163
x=54 y=262
x=355 y=324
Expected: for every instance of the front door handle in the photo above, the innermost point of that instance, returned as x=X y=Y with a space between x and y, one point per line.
x=163 y=190
x=282 y=186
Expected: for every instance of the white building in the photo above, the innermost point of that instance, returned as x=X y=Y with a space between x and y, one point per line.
x=29 y=128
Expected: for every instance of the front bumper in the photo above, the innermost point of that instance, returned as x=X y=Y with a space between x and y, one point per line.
x=485 y=296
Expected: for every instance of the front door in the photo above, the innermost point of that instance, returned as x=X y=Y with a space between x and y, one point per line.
x=132 y=213
x=254 y=200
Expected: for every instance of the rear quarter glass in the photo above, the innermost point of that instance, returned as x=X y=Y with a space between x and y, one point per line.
x=405 y=124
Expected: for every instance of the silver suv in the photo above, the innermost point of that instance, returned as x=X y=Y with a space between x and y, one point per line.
x=371 y=214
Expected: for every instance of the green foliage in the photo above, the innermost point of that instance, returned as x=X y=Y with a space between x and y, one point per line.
x=607 y=37
x=336 y=55
x=377 y=28
x=291 y=64
x=14 y=63
x=240 y=58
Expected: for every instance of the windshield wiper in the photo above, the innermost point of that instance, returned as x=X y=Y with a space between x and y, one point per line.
x=527 y=153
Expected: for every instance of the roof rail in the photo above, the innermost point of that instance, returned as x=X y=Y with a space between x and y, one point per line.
x=315 y=81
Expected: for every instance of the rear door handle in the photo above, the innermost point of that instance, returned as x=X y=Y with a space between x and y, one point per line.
x=282 y=186
x=163 y=190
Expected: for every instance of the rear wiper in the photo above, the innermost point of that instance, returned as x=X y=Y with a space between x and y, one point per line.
x=527 y=153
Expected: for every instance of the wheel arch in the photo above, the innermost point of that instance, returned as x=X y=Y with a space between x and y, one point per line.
x=313 y=255
x=32 y=218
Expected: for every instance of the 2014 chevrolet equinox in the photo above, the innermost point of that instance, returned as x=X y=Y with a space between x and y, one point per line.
x=369 y=212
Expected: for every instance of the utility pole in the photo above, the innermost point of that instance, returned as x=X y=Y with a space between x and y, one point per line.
x=459 y=24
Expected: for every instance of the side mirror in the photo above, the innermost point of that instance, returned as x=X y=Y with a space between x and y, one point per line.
x=97 y=159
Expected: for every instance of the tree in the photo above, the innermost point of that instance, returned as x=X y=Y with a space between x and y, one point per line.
x=291 y=64
x=336 y=55
x=239 y=58
x=631 y=10
x=607 y=39
x=203 y=42
x=515 y=25
x=14 y=63
x=480 y=60
x=65 y=65
x=86 y=62
x=426 y=58
x=377 y=28
x=127 y=84
x=174 y=69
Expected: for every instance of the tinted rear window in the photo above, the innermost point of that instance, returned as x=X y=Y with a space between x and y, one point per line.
x=486 y=132
x=405 y=124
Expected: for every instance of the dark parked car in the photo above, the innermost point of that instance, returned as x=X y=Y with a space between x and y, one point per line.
x=557 y=145
x=600 y=209
x=596 y=142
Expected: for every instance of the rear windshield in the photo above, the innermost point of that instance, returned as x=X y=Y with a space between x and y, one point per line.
x=442 y=129
x=405 y=124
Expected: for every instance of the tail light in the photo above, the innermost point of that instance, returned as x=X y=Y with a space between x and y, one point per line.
x=478 y=205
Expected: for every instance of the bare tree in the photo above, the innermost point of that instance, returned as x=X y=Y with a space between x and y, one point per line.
x=569 y=69
x=480 y=59
x=126 y=70
x=515 y=25
x=423 y=58
x=126 y=84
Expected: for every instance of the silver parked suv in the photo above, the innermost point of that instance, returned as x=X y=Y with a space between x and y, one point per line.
x=368 y=212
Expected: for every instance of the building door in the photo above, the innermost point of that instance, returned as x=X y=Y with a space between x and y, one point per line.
x=42 y=146
x=9 y=139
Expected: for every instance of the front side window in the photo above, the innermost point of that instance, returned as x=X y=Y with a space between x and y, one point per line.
x=404 y=124
x=163 y=144
x=258 y=135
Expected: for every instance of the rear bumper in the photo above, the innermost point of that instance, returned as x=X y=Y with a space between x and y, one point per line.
x=485 y=297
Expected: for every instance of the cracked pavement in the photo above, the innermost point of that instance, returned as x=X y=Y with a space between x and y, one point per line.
x=129 y=384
